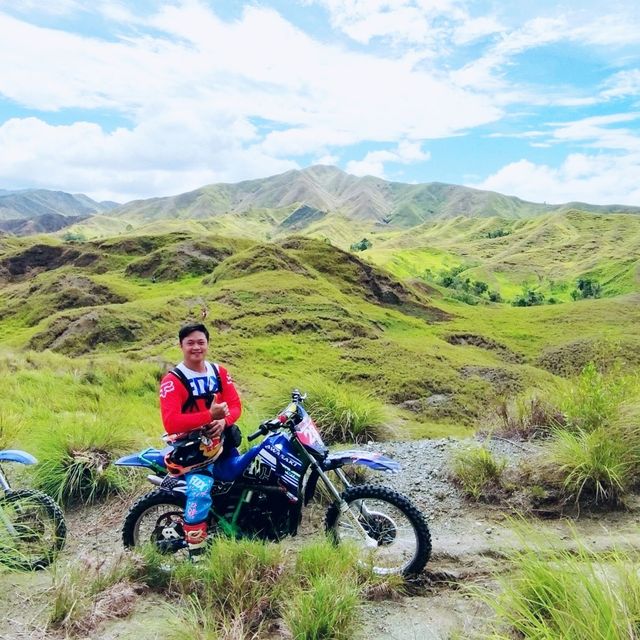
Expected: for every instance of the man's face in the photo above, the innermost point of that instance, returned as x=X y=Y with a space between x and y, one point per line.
x=194 y=347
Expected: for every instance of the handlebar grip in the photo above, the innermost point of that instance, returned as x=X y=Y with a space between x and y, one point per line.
x=254 y=435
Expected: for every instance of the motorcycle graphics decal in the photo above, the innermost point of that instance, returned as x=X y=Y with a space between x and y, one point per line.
x=262 y=466
x=277 y=451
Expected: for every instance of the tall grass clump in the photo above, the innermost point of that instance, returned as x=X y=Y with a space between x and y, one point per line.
x=242 y=586
x=325 y=610
x=595 y=457
x=598 y=466
x=477 y=471
x=236 y=586
x=594 y=398
x=345 y=414
x=528 y=417
x=75 y=461
x=573 y=595
x=86 y=593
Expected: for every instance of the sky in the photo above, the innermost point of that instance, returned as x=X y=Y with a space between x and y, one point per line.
x=126 y=100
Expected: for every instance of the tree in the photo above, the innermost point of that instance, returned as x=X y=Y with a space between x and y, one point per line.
x=586 y=288
x=363 y=245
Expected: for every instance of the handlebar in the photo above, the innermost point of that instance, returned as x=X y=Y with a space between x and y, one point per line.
x=265 y=427
x=280 y=420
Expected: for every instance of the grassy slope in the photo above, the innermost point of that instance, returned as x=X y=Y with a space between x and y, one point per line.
x=550 y=251
x=275 y=329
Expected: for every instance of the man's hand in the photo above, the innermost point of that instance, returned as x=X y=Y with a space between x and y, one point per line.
x=215 y=428
x=219 y=411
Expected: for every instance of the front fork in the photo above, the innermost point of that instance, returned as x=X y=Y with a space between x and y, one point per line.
x=342 y=504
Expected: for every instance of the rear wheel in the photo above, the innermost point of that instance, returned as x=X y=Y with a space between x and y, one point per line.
x=32 y=529
x=156 y=517
x=391 y=531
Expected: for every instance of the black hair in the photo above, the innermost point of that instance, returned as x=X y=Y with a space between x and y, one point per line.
x=191 y=328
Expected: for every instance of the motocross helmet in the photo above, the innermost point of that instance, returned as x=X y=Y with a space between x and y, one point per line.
x=192 y=453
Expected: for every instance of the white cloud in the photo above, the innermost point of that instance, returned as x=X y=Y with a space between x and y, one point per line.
x=622 y=84
x=374 y=162
x=598 y=179
x=191 y=97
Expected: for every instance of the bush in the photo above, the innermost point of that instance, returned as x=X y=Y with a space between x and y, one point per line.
x=363 y=245
x=477 y=471
x=586 y=288
x=594 y=399
x=558 y=593
x=528 y=417
x=528 y=298
x=345 y=414
x=75 y=461
x=599 y=465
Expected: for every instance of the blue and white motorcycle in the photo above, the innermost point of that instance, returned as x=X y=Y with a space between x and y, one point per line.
x=32 y=527
x=260 y=494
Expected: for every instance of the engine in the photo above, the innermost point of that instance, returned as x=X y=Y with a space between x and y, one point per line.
x=267 y=515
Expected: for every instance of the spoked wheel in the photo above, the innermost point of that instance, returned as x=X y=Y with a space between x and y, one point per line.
x=387 y=526
x=32 y=529
x=157 y=517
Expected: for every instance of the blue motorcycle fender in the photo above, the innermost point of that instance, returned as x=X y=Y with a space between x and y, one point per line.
x=371 y=459
x=336 y=460
x=15 y=455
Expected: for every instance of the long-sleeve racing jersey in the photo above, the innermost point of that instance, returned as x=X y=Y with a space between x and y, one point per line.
x=174 y=396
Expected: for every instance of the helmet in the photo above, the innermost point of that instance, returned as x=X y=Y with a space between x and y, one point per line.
x=192 y=453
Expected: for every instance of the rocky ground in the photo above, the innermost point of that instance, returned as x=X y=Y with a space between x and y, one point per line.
x=469 y=543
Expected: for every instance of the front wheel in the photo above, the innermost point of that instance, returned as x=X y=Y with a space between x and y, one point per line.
x=32 y=529
x=386 y=525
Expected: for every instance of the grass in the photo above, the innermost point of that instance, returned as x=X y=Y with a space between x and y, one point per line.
x=526 y=417
x=346 y=414
x=477 y=471
x=241 y=586
x=76 y=461
x=557 y=594
x=599 y=466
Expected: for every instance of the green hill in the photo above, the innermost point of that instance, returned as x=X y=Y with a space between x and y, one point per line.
x=283 y=313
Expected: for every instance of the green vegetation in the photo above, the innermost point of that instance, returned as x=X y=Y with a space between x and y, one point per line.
x=346 y=414
x=558 y=593
x=478 y=471
x=362 y=245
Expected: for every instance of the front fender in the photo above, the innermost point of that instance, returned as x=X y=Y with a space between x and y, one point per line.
x=15 y=455
x=371 y=459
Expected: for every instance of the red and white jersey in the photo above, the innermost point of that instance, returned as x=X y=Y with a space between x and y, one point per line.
x=174 y=395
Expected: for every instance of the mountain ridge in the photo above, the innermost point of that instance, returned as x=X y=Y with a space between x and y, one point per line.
x=330 y=190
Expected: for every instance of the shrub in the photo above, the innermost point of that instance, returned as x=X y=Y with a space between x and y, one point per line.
x=594 y=399
x=363 y=245
x=576 y=595
x=345 y=414
x=586 y=288
x=528 y=298
x=527 y=417
x=75 y=461
x=477 y=471
x=598 y=465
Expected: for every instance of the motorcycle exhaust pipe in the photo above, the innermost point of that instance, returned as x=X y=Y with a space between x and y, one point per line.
x=153 y=479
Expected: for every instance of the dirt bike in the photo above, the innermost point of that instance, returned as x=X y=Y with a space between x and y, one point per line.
x=261 y=493
x=32 y=527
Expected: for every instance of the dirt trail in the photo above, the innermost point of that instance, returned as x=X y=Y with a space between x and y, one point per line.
x=469 y=544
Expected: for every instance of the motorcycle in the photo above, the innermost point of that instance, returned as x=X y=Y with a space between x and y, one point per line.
x=32 y=526
x=261 y=493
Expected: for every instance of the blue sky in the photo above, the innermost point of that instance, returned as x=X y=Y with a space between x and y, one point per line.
x=123 y=100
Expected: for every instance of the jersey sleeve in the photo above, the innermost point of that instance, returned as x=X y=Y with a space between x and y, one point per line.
x=173 y=395
x=230 y=396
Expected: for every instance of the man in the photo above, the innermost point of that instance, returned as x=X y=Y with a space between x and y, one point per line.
x=210 y=402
